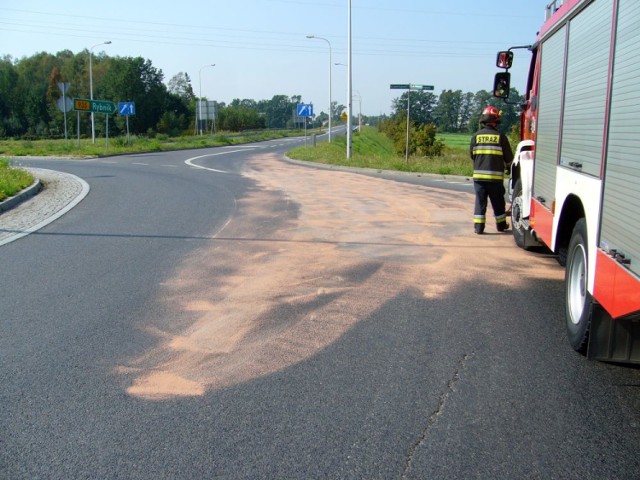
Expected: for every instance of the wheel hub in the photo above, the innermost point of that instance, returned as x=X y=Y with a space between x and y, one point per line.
x=577 y=288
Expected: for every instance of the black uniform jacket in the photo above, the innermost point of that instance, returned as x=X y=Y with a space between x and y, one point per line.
x=491 y=154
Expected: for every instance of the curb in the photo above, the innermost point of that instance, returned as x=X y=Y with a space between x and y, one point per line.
x=327 y=166
x=62 y=192
x=23 y=195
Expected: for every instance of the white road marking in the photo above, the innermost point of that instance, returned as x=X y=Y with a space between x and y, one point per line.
x=189 y=161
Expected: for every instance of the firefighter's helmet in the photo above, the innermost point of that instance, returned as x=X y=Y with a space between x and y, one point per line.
x=490 y=115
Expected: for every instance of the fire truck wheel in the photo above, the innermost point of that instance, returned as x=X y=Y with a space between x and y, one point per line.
x=518 y=228
x=578 y=300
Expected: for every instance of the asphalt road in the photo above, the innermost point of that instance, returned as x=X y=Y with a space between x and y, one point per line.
x=239 y=316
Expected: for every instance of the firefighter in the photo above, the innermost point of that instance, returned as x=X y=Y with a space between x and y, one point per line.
x=492 y=155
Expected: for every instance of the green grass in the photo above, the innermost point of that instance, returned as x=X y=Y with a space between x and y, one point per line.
x=12 y=180
x=457 y=141
x=370 y=148
x=117 y=145
x=373 y=149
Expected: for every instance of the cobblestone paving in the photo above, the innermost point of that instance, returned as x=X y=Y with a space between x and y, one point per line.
x=61 y=192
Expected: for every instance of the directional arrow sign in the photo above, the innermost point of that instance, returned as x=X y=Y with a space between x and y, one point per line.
x=95 y=106
x=305 y=110
x=127 y=108
x=103 y=106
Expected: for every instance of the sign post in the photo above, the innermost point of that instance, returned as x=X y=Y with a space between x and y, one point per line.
x=126 y=109
x=408 y=87
x=305 y=110
x=64 y=103
x=94 y=106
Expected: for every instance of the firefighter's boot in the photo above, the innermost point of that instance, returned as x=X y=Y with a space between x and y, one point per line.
x=502 y=226
x=501 y=222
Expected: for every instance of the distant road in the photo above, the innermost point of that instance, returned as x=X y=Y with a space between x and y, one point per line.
x=223 y=313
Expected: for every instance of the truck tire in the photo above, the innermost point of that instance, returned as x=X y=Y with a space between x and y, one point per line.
x=518 y=228
x=578 y=300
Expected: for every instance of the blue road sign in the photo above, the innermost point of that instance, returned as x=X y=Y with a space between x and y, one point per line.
x=305 y=110
x=127 y=108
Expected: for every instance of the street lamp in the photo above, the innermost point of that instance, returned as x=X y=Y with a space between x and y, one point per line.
x=93 y=125
x=200 y=99
x=349 y=80
x=330 y=98
x=359 y=97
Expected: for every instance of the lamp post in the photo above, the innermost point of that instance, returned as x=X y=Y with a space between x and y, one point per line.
x=199 y=128
x=330 y=98
x=93 y=125
x=359 y=97
x=349 y=83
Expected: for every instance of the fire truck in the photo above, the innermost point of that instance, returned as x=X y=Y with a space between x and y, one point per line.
x=575 y=179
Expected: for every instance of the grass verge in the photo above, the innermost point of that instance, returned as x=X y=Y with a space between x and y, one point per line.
x=12 y=180
x=135 y=144
x=370 y=148
x=373 y=149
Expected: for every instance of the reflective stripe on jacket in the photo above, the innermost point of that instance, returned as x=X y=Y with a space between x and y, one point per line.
x=491 y=154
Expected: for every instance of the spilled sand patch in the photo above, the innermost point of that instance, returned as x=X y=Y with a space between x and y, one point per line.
x=309 y=254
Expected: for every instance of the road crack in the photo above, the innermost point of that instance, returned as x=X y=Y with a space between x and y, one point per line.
x=433 y=418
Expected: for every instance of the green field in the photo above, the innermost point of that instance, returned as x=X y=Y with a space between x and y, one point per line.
x=456 y=140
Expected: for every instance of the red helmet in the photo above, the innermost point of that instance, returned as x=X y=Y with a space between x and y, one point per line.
x=490 y=115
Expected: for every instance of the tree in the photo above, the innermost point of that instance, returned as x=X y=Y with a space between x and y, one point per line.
x=448 y=111
x=510 y=111
x=277 y=111
x=9 y=121
x=465 y=111
x=135 y=80
x=238 y=117
x=336 y=110
x=31 y=93
x=53 y=94
x=180 y=85
x=422 y=106
x=246 y=102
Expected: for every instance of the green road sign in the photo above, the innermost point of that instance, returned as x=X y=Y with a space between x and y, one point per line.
x=400 y=86
x=95 y=106
x=421 y=87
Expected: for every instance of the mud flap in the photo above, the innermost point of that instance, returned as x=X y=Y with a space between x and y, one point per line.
x=613 y=340
x=530 y=240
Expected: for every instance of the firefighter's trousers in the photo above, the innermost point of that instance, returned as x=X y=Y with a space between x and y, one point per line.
x=494 y=191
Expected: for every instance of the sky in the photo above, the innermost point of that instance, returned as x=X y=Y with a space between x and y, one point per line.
x=260 y=47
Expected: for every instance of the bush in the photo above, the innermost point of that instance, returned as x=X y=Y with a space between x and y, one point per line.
x=422 y=138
